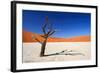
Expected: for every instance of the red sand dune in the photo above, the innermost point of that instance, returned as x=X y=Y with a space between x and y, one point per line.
x=34 y=37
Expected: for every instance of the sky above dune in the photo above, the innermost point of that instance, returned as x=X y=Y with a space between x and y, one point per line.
x=67 y=24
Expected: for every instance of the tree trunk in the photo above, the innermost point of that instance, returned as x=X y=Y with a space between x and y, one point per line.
x=43 y=48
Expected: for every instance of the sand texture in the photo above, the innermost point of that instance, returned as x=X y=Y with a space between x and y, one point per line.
x=74 y=50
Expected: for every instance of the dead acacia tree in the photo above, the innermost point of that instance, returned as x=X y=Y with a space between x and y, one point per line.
x=47 y=30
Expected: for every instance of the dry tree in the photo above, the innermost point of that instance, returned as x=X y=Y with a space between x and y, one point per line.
x=47 y=30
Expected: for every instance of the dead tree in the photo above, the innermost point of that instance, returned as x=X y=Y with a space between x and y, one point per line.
x=47 y=30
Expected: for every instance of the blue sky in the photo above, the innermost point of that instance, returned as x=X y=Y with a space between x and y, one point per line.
x=68 y=24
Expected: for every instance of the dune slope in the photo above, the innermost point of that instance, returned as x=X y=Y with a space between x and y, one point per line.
x=34 y=37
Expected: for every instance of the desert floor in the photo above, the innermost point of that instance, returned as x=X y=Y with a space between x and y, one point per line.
x=74 y=50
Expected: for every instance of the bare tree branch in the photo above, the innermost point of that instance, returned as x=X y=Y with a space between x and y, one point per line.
x=43 y=29
x=36 y=39
x=49 y=32
x=52 y=32
x=47 y=29
x=45 y=26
